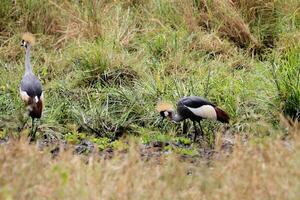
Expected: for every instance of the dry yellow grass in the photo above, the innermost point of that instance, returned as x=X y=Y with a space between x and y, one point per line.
x=223 y=17
x=269 y=170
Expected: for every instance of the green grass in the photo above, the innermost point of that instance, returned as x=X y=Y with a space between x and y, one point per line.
x=286 y=74
x=105 y=72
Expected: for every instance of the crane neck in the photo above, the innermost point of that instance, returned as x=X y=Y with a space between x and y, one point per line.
x=28 y=68
x=176 y=117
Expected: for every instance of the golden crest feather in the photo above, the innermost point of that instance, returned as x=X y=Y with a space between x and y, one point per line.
x=28 y=37
x=164 y=106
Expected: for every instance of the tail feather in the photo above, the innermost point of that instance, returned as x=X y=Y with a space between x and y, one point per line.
x=222 y=116
x=35 y=107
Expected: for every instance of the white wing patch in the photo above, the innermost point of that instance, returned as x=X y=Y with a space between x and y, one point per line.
x=24 y=95
x=206 y=111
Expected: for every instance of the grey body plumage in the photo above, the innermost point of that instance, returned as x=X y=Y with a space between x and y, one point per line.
x=30 y=87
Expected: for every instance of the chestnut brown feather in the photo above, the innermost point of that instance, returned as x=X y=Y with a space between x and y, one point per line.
x=36 y=108
x=222 y=116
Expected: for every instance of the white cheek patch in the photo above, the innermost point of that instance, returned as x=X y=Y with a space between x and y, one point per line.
x=166 y=113
x=24 y=96
x=206 y=111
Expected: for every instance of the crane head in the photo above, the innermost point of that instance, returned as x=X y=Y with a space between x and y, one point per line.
x=27 y=39
x=164 y=109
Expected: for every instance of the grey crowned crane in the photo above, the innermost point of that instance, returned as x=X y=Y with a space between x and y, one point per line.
x=193 y=108
x=30 y=88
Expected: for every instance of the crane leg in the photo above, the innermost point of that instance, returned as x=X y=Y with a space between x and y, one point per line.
x=184 y=128
x=196 y=131
x=202 y=133
x=33 y=131
x=23 y=124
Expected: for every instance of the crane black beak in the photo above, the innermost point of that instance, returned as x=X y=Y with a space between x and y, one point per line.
x=162 y=117
x=161 y=120
x=160 y=123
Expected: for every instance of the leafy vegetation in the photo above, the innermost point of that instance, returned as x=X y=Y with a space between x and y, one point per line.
x=104 y=72
x=104 y=65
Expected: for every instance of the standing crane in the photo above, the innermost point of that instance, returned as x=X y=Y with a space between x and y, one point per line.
x=193 y=108
x=30 y=88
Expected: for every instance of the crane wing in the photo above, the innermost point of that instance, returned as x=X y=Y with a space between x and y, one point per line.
x=198 y=106
x=195 y=102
